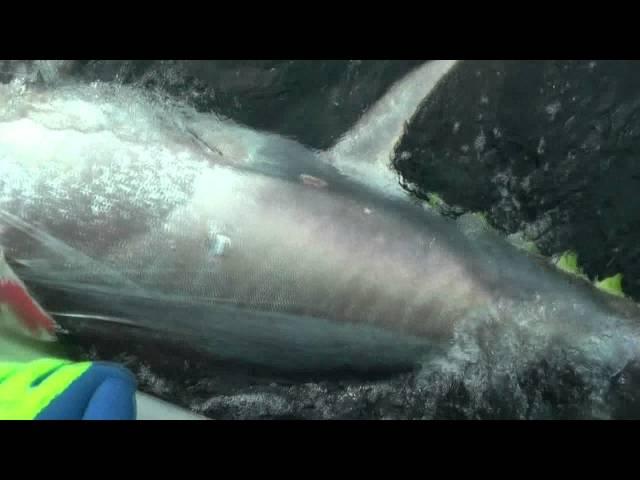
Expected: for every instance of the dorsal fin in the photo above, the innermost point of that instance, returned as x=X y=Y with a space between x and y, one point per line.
x=364 y=152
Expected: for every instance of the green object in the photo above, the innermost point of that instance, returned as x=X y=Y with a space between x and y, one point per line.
x=612 y=285
x=27 y=388
x=568 y=262
x=518 y=240
x=434 y=200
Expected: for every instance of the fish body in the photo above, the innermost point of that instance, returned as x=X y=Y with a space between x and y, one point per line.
x=261 y=250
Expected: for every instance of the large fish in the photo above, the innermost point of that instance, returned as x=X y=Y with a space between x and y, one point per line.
x=138 y=210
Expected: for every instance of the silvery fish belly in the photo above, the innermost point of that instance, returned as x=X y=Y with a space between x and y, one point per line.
x=179 y=221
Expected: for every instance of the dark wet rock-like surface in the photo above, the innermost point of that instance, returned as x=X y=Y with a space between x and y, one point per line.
x=547 y=148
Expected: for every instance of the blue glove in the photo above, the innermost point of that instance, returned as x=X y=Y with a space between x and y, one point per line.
x=54 y=389
x=103 y=392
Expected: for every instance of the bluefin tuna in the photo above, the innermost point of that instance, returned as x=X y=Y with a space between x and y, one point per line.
x=262 y=250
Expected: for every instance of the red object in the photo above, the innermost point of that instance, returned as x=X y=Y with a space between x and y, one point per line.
x=25 y=308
